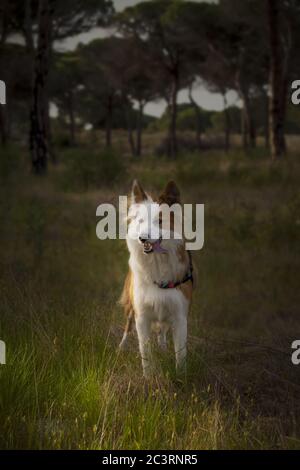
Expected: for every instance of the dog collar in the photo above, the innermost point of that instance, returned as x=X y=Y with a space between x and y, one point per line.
x=172 y=285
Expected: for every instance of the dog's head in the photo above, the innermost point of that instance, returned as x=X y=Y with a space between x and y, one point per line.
x=155 y=224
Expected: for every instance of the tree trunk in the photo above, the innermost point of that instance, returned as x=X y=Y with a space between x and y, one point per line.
x=286 y=77
x=72 y=119
x=139 y=129
x=227 y=124
x=51 y=150
x=127 y=109
x=276 y=84
x=227 y=130
x=108 y=121
x=28 y=33
x=249 y=122
x=4 y=17
x=245 y=140
x=265 y=102
x=131 y=141
x=252 y=132
x=172 y=144
x=39 y=130
x=283 y=109
x=3 y=127
x=29 y=41
x=198 y=119
x=248 y=126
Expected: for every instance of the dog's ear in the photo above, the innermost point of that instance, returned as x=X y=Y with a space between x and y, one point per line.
x=138 y=194
x=170 y=195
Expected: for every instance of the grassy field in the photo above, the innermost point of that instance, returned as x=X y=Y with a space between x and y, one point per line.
x=64 y=385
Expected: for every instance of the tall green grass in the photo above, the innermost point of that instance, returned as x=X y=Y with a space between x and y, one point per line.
x=65 y=386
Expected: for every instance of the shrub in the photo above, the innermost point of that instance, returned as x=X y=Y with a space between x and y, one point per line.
x=86 y=169
x=10 y=163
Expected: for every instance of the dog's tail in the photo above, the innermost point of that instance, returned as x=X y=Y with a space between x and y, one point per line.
x=126 y=301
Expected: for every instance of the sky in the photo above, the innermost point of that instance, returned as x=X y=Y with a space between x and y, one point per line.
x=122 y=4
x=206 y=99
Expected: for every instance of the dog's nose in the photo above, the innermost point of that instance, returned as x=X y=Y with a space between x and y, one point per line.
x=143 y=239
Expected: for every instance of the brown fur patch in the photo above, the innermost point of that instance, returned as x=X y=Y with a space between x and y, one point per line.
x=126 y=301
x=170 y=195
x=187 y=290
x=187 y=287
x=182 y=255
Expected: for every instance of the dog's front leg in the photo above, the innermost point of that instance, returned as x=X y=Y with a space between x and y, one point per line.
x=143 y=327
x=180 y=340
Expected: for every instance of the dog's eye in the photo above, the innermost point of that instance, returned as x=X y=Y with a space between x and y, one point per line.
x=141 y=221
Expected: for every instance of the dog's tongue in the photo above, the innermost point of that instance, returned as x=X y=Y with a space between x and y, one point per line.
x=157 y=248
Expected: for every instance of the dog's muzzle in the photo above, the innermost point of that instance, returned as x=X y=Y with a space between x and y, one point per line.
x=152 y=247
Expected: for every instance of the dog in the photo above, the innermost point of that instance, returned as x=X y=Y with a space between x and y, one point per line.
x=158 y=289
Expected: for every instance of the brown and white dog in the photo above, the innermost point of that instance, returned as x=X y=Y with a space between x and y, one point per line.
x=158 y=288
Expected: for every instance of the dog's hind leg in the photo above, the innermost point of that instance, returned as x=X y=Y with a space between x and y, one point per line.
x=128 y=329
x=143 y=327
x=180 y=340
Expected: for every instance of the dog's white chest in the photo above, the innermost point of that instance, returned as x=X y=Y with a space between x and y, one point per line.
x=158 y=304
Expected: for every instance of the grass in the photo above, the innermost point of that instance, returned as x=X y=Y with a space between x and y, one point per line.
x=64 y=385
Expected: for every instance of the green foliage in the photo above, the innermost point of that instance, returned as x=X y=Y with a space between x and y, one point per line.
x=62 y=137
x=186 y=120
x=208 y=120
x=87 y=169
x=11 y=161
